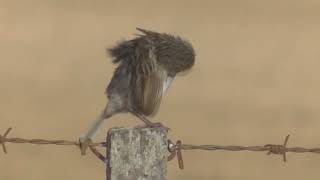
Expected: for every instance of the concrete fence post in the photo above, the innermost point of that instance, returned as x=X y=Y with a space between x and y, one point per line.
x=137 y=154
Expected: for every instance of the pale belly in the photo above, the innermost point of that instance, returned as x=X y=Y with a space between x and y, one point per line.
x=167 y=84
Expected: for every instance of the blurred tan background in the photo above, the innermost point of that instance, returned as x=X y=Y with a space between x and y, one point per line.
x=255 y=80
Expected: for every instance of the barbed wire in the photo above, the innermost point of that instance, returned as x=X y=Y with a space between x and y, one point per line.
x=4 y=139
x=175 y=149
x=278 y=149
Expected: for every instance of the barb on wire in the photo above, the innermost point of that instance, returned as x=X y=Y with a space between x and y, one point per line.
x=175 y=150
x=278 y=149
x=98 y=154
x=3 y=140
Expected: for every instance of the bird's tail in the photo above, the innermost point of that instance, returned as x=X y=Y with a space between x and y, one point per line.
x=123 y=51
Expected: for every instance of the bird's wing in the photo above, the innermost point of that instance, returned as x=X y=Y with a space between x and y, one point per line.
x=148 y=92
x=148 y=82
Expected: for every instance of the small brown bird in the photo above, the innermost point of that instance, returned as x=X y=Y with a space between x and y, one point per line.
x=146 y=66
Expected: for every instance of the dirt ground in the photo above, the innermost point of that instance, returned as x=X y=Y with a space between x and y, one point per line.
x=255 y=80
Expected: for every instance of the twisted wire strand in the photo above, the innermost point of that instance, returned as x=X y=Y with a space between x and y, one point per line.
x=4 y=139
x=45 y=142
x=246 y=148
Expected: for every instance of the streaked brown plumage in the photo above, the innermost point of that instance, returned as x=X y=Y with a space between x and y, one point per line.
x=146 y=66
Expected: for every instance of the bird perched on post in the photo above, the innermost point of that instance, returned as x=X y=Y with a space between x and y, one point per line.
x=146 y=66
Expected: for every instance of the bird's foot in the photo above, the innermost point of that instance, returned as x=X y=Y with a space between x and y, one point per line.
x=157 y=125
x=84 y=143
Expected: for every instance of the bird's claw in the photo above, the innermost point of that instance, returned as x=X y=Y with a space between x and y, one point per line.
x=84 y=143
x=158 y=125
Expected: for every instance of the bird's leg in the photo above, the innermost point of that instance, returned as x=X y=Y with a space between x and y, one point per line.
x=86 y=139
x=148 y=122
x=143 y=119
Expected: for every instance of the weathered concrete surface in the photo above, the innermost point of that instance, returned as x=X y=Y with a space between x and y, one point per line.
x=137 y=154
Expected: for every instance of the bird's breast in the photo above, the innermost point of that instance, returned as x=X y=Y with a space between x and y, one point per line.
x=167 y=83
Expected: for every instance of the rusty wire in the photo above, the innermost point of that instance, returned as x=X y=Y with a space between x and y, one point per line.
x=4 y=139
x=279 y=149
x=175 y=149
